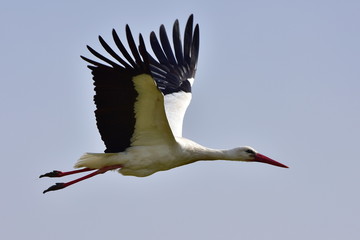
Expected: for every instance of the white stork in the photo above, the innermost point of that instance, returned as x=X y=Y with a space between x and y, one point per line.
x=140 y=105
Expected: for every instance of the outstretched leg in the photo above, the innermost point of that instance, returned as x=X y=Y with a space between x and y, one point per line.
x=58 y=186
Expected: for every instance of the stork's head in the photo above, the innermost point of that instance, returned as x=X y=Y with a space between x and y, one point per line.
x=249 y=154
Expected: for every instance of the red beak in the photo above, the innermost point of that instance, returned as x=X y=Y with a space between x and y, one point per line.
x=264 y=159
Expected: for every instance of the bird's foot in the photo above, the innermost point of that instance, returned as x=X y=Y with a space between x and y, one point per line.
x=52 y=174
x=56 y=173
x=55 y=187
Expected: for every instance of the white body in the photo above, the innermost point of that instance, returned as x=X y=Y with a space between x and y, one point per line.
x=142 y=161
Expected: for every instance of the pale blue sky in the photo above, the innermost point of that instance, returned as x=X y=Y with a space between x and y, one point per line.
x=280 y=76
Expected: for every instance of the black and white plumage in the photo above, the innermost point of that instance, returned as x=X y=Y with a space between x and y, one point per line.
x=140 y=105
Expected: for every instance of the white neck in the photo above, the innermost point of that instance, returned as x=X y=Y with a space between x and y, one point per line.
x=195 y=152
x=216 y=154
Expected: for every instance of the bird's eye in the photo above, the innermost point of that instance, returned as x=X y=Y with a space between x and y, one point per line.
x=250 y=151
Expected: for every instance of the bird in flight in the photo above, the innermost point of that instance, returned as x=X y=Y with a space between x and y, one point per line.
x=140 y=106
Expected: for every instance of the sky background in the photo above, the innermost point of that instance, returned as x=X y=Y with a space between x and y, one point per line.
x=280 y=76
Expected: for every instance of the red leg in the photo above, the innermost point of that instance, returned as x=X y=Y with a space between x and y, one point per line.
x=56 y=173
x=58 y=186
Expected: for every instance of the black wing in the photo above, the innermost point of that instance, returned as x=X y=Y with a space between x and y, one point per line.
x=115 y=93
x=171 y=72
